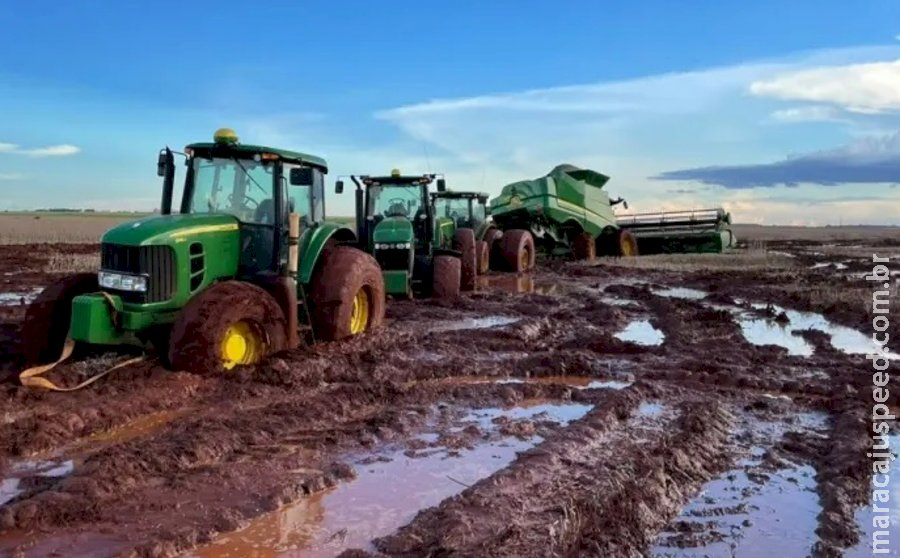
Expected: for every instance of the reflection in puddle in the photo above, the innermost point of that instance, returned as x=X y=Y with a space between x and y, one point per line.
x=15 y=299
x=736 y=516
x=650 y=410
x=681 y=292
x=531 y=409
x=382 y=498
x=641 y=332
x=865 y=515
x=842 y=338
x=614 y=301
x=514 y=283
x=11 y=487
x=475 y=323
x=577 y=382
x=766 y=332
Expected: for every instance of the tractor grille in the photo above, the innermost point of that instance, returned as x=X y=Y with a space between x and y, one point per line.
x=393 y=258
x=156 y=262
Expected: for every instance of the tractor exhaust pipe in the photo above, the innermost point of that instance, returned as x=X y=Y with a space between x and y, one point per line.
x=287 y=285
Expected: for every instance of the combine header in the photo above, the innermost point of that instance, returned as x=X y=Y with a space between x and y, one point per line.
x=663 y=232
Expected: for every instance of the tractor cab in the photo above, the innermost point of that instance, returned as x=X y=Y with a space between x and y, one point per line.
x=395 y=222
x=467 y=210
x=255 y=185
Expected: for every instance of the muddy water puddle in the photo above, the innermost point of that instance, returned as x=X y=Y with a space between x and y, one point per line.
x=19 y=474
x=474 y=323
x=577 y=382
x=19 y=298
x=384 y=496
x=641 y=332
x=512 y=283
x=865 y=517
x=529 y=409
x=684 y=293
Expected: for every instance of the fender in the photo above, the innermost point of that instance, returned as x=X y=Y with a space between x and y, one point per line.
x=314 y=241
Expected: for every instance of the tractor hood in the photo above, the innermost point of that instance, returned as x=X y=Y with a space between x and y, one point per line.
x=168 y=229
x=393 y=229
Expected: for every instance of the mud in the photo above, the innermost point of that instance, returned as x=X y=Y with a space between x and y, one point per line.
x=581 y=410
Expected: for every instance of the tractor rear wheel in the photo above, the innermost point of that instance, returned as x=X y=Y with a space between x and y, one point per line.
x=626 y=243
x=464 y=241
x=584 y=247
x=518 y=250
x=46 y=324
x=347 y=294
x=483 y=256
x=230 y=324
x=446 y=276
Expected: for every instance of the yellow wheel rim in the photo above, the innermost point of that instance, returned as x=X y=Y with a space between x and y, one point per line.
x=627 y=248
x=524 y=259
x=241 y=345
x=359 y=317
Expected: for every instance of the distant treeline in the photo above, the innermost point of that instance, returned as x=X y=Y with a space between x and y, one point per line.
x=69 y=210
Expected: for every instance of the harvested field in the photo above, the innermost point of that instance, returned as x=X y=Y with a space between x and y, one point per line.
x=666 y=406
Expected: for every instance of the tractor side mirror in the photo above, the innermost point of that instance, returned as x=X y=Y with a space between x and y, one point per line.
x=339 y=187
x=164 y=162
x=442 y=185
x=301 y=176
x=625 y=204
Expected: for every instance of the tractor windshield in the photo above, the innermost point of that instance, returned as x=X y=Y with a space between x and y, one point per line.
x=452 y=208
x=396 y=200
x=239 y=187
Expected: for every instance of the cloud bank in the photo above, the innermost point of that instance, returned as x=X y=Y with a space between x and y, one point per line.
x=63 y=150
x=866 y=161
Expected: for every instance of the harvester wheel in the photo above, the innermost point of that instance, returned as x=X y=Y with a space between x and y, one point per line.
x=627 y=243
x=232 y=323
x=46 y=323
x=584 y=247
x=518 y=250
x=347 y=294
x=483 y=256
x=464 y=241
x=445 y=281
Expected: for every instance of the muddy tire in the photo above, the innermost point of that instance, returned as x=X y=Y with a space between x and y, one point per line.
x=46 y=323
x=626 y=244
x=584 y=247
x=483 y=255
x=347 y=294
x=464 y=242
x=230 y=324
x=495 y=249
x=446 y=276
x=518 y=250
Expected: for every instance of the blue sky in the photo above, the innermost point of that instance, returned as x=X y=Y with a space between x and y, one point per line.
x=783 y=112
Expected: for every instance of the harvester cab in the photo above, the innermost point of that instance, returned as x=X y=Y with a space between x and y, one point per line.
x=245 y=266
x=396 y=223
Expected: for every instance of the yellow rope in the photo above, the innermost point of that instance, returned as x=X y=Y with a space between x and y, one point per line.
x=31 y=377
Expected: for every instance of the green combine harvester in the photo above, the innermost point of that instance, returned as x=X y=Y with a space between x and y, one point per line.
x=567 y=211
x=674 y=232
x=418 y=253
x=246 y=267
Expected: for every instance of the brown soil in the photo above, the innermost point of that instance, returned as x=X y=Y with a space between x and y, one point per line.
x=165 y=462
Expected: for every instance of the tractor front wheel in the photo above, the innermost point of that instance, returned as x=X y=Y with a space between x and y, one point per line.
x=464 y=241
x=230 y=324
x=446 y=275
x=46 y=324
x=347 y=294
x=518 y=250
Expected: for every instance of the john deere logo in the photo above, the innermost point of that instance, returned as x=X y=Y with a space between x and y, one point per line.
x=515 y=200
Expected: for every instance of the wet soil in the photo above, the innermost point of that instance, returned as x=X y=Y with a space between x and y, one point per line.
x=582 y=410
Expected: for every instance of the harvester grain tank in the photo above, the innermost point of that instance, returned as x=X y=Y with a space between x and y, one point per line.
x=395 y=222
x=565 y=211
x=242 y=271
x=699 y=231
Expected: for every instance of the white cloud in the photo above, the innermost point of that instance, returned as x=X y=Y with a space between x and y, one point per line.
x=810 y=113
x=10 y=176
x=63 y=150
x=864 y=88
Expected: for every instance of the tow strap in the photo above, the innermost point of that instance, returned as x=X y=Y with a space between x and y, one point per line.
x=31 y=377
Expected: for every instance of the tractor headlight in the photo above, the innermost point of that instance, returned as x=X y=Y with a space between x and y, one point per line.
x=122 y=281
x=394 y=246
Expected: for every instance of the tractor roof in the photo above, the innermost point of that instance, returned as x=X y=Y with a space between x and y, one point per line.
x=291 y=156
x=460 y=195
x=382 y=180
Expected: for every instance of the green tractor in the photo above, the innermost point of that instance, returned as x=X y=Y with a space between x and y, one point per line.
x=396 y=223
x=242 y=271
x=464 y=215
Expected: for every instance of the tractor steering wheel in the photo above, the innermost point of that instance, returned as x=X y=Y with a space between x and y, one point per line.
x=396 y=208
x=247 y=201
